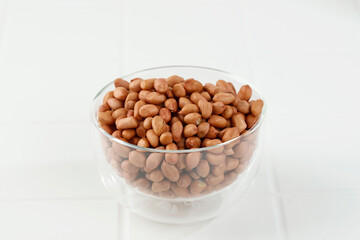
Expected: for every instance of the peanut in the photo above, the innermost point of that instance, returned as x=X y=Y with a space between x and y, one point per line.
x=147 y=123
x=134 y=86
x=184 y=101
x=137 y=159
x=245 y=93
x=121 y=93
x=173 y=80
x=142 y=94
x=189 y=108
x=155 y=98
x=166 y=138
x=190 y=130
x=184 y=181
x=158 y=124
x=171 y=158
x=203 y=129
x=152 y=138
x=153 y=161
x=203 y=169
x=119 y=82
x=226 y=98
x=177 y=131
x=106 y=117
x=193 y=118
x=193 y=142
x=128 y=133
x=147 y=84
x=165 y=114
x=171 y=104
x=126 y=123
x=171 y=172
x=255 y=108
x=155 y=176
x=197 y=186
x=162 y=186
x=205 y=108
x=230 y=133
x=217 y=121
x=218 y=108
x=160 y=85
x=192 y=85
x=179 y=90
x=192 y=160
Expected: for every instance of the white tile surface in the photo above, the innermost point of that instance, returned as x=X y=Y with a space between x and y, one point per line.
x=58 y=220
x=323 y=216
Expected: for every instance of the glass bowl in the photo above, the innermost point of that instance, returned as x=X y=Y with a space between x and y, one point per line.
x=227 y=170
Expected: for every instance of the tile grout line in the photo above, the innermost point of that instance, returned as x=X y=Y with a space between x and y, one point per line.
x=277 y=202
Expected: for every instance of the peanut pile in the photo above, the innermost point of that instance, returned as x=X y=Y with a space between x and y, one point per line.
x=178 y=114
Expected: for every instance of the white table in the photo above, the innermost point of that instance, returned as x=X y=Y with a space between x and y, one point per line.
x=304 y=56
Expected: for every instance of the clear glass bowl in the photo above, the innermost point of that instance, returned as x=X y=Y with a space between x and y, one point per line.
x=232 y=164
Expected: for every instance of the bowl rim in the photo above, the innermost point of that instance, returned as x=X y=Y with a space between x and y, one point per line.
x=94 y=119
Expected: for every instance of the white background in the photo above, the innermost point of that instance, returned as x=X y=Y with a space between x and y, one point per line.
x=303 y=55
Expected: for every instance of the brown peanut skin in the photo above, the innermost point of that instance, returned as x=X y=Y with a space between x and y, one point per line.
x=152 y=138
x=119 y=82
x=126 y=123
x=190 y=130
x=203 y=169
x=106 y=117
x=155 y=98
x=189 y=108
x=173 y=80
x=179 y=90
x=193 y=118
x=191 y=85
x=203 y=129
x=161 y=85
x=205 y=108
x=192 y=160
x=184 y=181
x=147 y=84
x=120 y=93
x=177 y=131
x=193 y=142
x=158 y=124
x=217 y=121
x=255 y=108
x=245 y=93
x=171 y=104
x=170 y=171
x=148 y=110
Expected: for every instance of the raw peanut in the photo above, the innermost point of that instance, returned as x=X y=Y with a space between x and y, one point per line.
x=196 y=97
x=147 y=123
x=176 y=131
x=241 y=149
x=238 y=121
x=218 y=170
x=141 y=183
x=243 y=107
x=126 y=123
x=166 y=138
x=129 y=176
x=231 y=163
x=121 y=93
x=213 y=142
x=214 y=180
x=167 y=128
x=203 y=129
x=251 y=120
x=130 y=105
x=209 y=189
x=162 y=186
x=179 y=90
x=230 y=133
x=127 y=166
x=194 y=118
x=228 y=151
x=128 y=133
x=255 y=108
x=193 y=142
x=173 y=80
x=181 y=118
x=192 y=160
x=134 y=86
x=215 y=159
x=152 y=138
x=223 y=86
x=143 y=142
x=181 y=161
x=120 y=149
x=167 y=194
x=211 y=89
x=197 y=186
x=169 y=93
x=203 y=169
x=106 y=117
x=104 y=107
x=231 y=88
x=139 y=104
x=116 y=134
x=234 y=110
x=242 y=167
x=142 y=94
x=153 y=161
x=205 y=108
x=158 y=124
x=155 y=176
x=171 y=158
x=147 y=84
x=191 y=85
x=194 y=175
x=184 y=101
x=218 y=108
x=130 y=113
x=204 y=141
x=137 y=159
x=141 y=131
x=217 y=121
x=155 y=98
x=135 y=140
x=119 y=112
x=171 y=172
x=160 y=85
x=221 y=133
x=184 y=181
x=212 y=133
x=189 y=108
x=245 y=93
x=226 y=98
x=228 y=112
x=206 y=95
x=171 y=104
x=132 y=96
x=190 y=130
x=119 y=82
x=107 y=128
x=107 y=96
x=180 y=192
x=165 y=114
